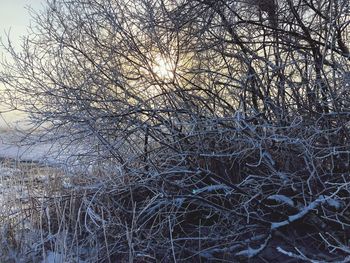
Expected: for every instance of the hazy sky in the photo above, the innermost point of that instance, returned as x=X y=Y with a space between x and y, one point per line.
x=14 y=16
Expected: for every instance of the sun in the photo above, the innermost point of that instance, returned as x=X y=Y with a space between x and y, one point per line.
x=163 y=68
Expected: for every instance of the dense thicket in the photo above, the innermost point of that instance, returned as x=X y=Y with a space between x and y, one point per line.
x=221 y=127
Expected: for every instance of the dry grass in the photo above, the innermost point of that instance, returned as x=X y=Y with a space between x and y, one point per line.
x=26 y=188
x=260 y=194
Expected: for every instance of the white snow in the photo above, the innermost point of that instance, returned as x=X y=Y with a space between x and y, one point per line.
x=337 y=204
x=53 y=257
x=302 y=212
x=11 y=149
x=211 y=188
x=282 y=199
x=252 y=252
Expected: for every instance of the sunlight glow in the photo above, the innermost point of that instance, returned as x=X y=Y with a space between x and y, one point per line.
x=163 y=68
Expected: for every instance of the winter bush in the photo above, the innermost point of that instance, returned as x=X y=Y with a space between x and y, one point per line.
x=209 y=130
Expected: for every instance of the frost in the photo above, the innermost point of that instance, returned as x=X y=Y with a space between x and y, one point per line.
x=302 y=212
x=6 y=172
x=53 y=257
x=334 y=203
x=252 y=252
x=282 y=199
x=287 y=253
x=211 y=188
x=178 y=202
x=268 y=157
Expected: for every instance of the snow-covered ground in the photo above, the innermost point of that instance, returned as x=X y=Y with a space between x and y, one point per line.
x=53 y=153
x=11 y=148
x=18 y=186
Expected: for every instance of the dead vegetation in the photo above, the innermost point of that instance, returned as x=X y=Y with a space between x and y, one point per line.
x=194 y=131
x=257 y=192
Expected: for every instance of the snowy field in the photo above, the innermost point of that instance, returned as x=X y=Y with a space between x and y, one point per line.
x=11 y=148
x=23 y=178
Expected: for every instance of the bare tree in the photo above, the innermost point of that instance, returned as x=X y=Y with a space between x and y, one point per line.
x=227 y=120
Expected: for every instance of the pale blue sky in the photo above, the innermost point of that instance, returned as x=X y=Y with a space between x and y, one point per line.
x=14 y=16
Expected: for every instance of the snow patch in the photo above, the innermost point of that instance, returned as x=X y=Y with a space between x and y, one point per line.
x=53 y=257
x=211 y=188
x=321 y=199
x=282 y=199
x=337 y=204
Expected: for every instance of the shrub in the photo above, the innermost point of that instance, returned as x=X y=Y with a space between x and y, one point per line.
x=210 y=130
